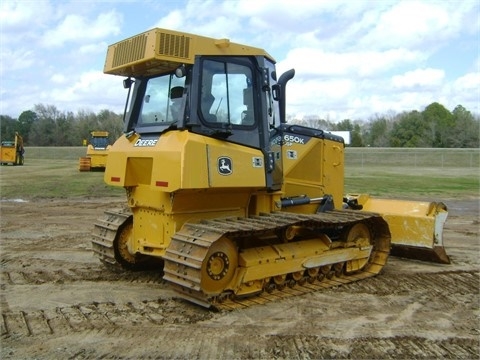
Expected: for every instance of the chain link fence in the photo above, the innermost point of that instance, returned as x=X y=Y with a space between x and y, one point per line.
x=412 y=157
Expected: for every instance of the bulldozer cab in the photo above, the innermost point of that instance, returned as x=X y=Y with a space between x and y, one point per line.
x=228 y=98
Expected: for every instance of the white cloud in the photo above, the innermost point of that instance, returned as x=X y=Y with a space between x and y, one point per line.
x=419 y=77
x=15 y=59
x=409 y=23
x=20 y=16
x=173 y=20
x=91 y=90
x=58 y=78
x=466 y=92
x=97 y=49
x=78 y=28
x=367 y=63
x=468 y=82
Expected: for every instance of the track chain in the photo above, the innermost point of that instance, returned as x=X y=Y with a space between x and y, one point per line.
x=190 y=245
x=104 y=234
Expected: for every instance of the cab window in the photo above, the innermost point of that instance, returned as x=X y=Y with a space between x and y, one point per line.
x=162 y=101
x=226 y=95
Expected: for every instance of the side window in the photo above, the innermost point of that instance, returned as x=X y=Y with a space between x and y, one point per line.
x=162 y=102
x=227 y=94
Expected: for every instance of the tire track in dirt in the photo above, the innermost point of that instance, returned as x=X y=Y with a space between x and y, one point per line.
x=112 y=315
x=99 y=316
x=448 y=283
x=206 y=343
x=409 y=347
x=38 y=277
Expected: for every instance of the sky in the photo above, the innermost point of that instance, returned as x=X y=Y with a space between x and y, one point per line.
x=353 y=59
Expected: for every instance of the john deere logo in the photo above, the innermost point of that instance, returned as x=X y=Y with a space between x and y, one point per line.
x=224 y=165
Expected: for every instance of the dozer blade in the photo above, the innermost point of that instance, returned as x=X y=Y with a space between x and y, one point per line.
x=416 y=227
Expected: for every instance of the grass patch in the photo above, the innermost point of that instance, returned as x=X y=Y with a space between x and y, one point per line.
x=48 y=178
x=408 y=182
x=52 y=172
x=32 y=154
x=412 y=158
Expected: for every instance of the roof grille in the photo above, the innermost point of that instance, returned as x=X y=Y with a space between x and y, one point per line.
x=130 y=50
x=174 y=45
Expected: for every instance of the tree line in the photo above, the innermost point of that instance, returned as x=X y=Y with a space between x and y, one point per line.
x=434 y=127
x=45 y=125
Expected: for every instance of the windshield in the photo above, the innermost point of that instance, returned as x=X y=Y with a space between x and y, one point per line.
x=99 y=142
x=163 y=102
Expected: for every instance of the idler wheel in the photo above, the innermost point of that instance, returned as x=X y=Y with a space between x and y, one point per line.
x=219 y=266
x=358 y=234
x=121 y=246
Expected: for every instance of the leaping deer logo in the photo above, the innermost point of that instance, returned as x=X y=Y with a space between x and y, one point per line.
x=225 y=165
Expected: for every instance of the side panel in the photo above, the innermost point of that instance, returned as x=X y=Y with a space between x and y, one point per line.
x=313 y=167
x=182 y=160
x=231 y=165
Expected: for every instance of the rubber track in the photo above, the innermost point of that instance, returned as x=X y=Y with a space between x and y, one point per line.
x=183 y=270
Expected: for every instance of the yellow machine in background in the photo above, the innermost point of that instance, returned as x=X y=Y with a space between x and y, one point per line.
x=240 y=206
x=11 y=152
x=97 y=152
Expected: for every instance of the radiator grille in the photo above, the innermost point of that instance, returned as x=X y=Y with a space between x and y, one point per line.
x=130 y=50
x=174 y=45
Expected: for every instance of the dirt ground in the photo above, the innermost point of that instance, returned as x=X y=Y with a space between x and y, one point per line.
x=59 y=302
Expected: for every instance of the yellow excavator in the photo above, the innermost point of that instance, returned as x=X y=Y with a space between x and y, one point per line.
x=240 y=206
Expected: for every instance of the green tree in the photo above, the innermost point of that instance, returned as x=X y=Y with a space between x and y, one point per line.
x=86 y=121
x=111 y=122
x=409 y=131
x=377 y=132
x=313 y=122
x=8 y=126
x=63 y=130
x=440 y=124
x=356 y=139
x=26 y=120
x=466 y=130
x=44 y=132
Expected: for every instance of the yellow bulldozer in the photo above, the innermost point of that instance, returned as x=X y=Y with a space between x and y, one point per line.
x=97 y=152
x=12 y=152
x=239 y=206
